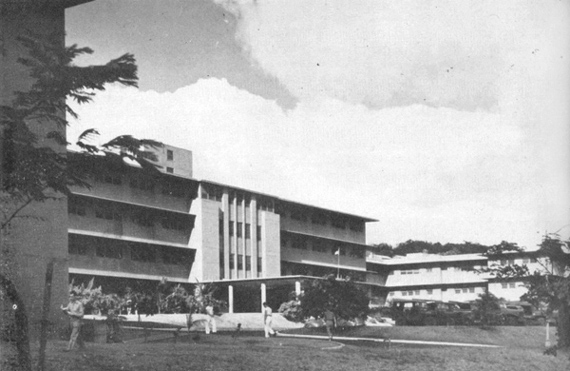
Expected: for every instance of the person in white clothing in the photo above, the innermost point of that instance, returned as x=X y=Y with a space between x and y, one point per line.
x=267 y=320
x=210 y=319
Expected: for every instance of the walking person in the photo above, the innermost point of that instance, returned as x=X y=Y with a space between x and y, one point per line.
x=267 y=320
x=74 y=310
x=210 y=319
x=330 y=321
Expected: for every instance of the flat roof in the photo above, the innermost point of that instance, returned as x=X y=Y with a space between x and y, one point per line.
x=424 y=258
x=364 y=218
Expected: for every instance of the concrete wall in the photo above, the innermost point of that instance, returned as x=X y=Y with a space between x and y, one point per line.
x=327 y=230
x=41 y=236
x=271 y=240
x=206 y=240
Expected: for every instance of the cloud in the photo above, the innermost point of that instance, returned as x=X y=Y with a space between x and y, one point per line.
x=427 y=173
x=383 y=54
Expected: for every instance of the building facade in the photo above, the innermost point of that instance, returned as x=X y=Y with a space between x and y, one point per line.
x=452 y=277
x=134 y=227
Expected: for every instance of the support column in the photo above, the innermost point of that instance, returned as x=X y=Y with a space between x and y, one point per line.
x=230 y=299
x=297 y=288
x=263 y=295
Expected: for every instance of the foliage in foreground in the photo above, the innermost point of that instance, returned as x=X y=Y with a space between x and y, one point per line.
x=343 y=297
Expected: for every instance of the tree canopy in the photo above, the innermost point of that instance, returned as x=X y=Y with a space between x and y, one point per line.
x=343 y=297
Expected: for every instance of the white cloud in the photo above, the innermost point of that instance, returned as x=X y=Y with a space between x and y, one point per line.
x=436 y=174
x=379 y=53
x=483 y=158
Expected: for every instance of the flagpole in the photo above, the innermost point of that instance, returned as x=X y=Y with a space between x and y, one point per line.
x=338 y=264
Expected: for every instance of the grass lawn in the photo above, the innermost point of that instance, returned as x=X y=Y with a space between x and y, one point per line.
x=523 y=347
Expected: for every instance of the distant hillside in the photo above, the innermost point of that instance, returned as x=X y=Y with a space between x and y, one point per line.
x=412 y=246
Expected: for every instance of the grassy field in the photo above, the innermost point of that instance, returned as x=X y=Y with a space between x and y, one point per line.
x=523 y=349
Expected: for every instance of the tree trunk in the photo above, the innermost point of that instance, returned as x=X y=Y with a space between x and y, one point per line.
x=21 y=323
x=45 y=316
x=563 y=325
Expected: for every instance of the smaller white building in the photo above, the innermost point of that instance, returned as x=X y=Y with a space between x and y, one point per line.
x=451 y=277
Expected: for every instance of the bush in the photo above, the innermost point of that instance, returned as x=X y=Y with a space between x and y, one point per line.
x=292 y=310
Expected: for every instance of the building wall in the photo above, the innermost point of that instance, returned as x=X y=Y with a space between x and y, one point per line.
x=41 y=236
x=206 y=241
x=300 y=219
x=270 y=244
x=174 y=160
x=132 y=223
x=452 y=277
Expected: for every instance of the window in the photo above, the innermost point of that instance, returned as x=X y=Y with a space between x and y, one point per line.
x=259 y=265
x=232 y=261
x=428 y=270
x=338 y=222
x=472 y=289
x=176 y=256
x=319 y=218
x=106 y=211
x=299 y=243
x=259 y=233
x=356 y=252
x=458 y=291
x=169 y=155
x=417 y=292
x=231 y=228
x=248 y=263
x=109 y=251
x=356 y=226
x=298 y=215
x=247 y=230
x=143 y=218
x=78 y=246
x=526 y=261
x=239 y=229
x=77 y=207
x=143 y=253
x=504 y=285
x=172 y=188
x=429 y=291
x=391 y=294
x=240 y=261
x=142 y=184
x=171 y=222
x=170 y=170
x=221 y=227
x=410 y=293
x=320 y=246
x=410 y=271
x=404 y=293
x=512 y=285
x=112 y=179
x=465 y=290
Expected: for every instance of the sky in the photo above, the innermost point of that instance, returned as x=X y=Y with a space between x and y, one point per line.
x=447 y=121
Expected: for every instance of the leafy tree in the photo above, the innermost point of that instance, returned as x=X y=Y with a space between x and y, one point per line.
x=34 y=162
x=550 y=285
x=343 y=297
x=487 y=310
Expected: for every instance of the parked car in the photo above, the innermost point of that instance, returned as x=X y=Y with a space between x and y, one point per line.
x=531 y=315
x=418 y=312
x=513 y=315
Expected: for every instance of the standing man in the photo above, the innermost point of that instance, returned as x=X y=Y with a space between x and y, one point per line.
x=267 y=320
x=210 y=320
x=75 y=312
x=330 y=321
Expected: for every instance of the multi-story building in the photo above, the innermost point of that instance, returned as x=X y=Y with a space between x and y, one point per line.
x=133 y=227
x=452 y=277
